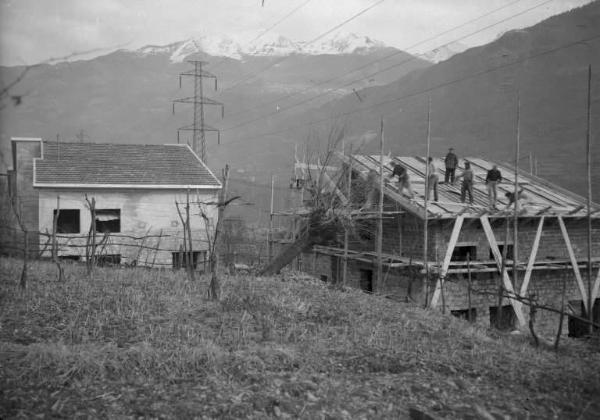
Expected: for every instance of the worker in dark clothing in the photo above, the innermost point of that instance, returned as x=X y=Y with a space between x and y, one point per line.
x=451 y=162
x=467 y=183
x=493 y=178
x=511 y=197
x=403 y=179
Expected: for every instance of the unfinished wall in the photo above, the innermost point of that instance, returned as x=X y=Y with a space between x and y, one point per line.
x=142 y=212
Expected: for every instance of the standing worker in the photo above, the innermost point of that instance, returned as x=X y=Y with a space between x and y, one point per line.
x=432 y=181
x=451 y=162
x=467 y=183
x=491 y=180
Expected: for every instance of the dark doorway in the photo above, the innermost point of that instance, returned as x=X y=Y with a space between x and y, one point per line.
x=466 y=314
x=577 y=326
x=366 y=280
x=508 y=318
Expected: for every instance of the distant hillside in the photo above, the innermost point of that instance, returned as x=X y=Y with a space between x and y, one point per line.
x=473 y=97
x=126 y=96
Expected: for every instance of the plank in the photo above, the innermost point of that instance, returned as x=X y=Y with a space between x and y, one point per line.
x=451 y=244
x=489 y=233
x=532 y=256
x=574 y=263
x=596 y=287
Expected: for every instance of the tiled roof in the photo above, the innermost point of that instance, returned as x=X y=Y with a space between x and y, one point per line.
x=541 y=198
x=135 y=165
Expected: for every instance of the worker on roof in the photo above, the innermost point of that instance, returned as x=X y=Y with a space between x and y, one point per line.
x=403 y=179
x=493 y=178
x=432 y=180
x=451 y=162
x=467 y=183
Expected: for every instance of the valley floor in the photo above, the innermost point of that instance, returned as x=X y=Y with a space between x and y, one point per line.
x=135 y=343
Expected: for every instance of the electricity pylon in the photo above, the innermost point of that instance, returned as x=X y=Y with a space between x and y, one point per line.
x=198 y=127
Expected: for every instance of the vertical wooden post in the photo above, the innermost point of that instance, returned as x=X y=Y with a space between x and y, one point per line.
x=469 y=286
x=530 y=163
x=215 y=284
x=516 y=196
x=270 y=233
x=23 y=282
x=379 y=249
x=54 y=229
x=426 y=221
x=346 y=233
x=589 y=199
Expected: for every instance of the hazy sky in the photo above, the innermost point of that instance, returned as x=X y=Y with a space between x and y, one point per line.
x=36 y=30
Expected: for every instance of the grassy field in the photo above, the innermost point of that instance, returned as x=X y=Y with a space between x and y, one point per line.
x=132 y=343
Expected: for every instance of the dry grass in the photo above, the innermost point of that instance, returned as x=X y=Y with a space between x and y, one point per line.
x=133 y=343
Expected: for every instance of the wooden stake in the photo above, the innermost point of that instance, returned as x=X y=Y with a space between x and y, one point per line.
x=516 y=196
x=469 y=286
x=379 y=249
x=346 y=233
x=270 y=233
x=426 y=200
x=589 y=198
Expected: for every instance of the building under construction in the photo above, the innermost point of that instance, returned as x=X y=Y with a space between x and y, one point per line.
x=461 y=257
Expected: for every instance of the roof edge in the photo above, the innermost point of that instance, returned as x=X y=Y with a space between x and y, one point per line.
x=203 y=164
x=131 y=186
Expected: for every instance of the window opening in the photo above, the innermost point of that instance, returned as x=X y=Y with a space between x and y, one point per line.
x=108 y=221
x=460 y=253
x=68 y=221
x=366 y=280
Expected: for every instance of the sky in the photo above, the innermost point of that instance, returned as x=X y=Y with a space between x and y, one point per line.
x=33 y=31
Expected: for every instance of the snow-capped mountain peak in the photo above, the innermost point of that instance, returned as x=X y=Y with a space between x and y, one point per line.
x=269 y=44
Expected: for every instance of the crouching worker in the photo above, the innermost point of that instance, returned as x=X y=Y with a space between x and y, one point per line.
x=511 y=197
x=403 y=179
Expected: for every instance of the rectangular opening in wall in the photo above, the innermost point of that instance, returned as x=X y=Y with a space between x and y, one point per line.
x=108 y=220
x=577 y=326
x=108 y=259
x=69 y=257
x=466 y=314
x=508 y=318
x=461 y=252
x=366 y=280
x=509 y=251
x=180 y=259
x=68 y=221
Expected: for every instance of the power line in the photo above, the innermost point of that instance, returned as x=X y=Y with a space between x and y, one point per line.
x=412 y=58
x=269 y=28
x=438 y=86
x=283 y=98
x=274 y=63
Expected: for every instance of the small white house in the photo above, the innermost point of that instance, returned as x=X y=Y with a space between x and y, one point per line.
x=137 y=190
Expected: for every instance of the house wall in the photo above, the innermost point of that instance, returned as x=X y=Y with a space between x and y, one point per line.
x=143 y=212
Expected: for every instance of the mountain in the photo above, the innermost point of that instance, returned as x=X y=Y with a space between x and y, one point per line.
x=269 y=44
x=126 y=96
x=474 y=102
